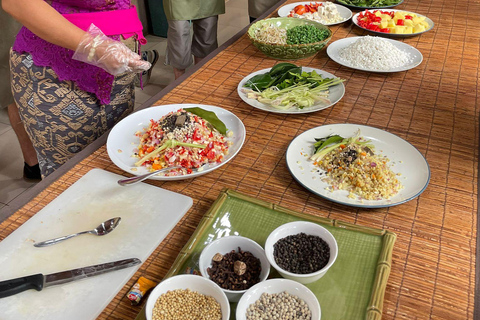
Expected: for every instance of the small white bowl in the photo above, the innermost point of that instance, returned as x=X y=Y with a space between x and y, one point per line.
x=194 y=283
x=297 y=227
x=227 y=244
x=278 y=286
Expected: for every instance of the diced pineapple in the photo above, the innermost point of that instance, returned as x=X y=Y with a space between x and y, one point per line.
x=392 y=29
x=408 y=23
x=386 y=17
x=399 y=29
x=384 y=24
x=418 y=28
x=416 y=20
x=399 y=15
x=408 y=30
x=425 y=24
x=378 y=13
x=391 y=24
x=421 y=18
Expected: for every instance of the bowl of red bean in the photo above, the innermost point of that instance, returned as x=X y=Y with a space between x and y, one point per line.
x=235 y=263
x=302 y=251
x=278 y=299
x=187 y=296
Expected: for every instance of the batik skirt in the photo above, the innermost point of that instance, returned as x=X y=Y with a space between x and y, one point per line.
x=61 y=119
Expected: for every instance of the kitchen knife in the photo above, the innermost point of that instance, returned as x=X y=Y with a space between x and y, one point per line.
x=40 y=281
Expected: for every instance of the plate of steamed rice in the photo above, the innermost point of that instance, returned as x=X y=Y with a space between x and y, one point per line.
x=374 y=54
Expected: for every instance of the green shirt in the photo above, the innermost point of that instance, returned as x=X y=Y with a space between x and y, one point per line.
x=192 y=9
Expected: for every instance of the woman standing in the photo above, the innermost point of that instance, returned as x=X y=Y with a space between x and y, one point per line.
x=180 y=45
x=72 y=71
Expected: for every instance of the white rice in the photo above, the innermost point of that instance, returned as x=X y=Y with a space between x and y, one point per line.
x=374 y=53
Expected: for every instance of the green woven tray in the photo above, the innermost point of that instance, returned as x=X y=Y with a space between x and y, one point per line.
x=354 y=286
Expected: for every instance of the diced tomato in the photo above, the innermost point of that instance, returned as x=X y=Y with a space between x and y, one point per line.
x=211 y=154
x=400 y=22
x=150 y=149
x=300 y=9
x=386 y=30
x=407 y=17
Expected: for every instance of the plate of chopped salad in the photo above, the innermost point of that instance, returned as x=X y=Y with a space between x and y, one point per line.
x=193 y=139
x=327 y=13
x=358 y=165
x=393 y=23
x=288 y=88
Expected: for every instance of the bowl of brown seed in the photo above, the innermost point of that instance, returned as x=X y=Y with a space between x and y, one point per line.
x=302 y=251
x=278 y=299
x=187 y=296
x=234 y=263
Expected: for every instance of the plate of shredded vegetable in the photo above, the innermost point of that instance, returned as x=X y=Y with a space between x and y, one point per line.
x=288 y=88
x=358 y=165
x=327 y=13
x=369 y=4
x=193 y=139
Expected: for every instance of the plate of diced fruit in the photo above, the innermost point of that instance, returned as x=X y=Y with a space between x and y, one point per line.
x=391 y=22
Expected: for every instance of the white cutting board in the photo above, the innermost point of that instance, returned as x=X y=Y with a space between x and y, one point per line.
x=148 y=214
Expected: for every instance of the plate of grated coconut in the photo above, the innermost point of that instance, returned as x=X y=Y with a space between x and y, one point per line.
x=358 y=165
x=374 y=54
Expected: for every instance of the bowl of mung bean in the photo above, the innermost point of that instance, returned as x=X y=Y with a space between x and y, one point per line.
x=235 y=263
x=187 y=296
x=278 y=299
x=302 y=251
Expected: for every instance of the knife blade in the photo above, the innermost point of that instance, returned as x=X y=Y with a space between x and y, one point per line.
x=40 y=281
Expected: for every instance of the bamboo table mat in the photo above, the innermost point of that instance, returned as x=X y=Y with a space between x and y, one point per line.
x=432 y=106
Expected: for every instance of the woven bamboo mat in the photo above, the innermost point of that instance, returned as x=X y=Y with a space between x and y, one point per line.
x=432 y=106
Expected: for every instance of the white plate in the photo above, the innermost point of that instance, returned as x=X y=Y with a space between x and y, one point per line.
x=122 y=140
x=333 y=51
x=335 y=94
x=344 y=12
x=394 y=35
x=404 y=159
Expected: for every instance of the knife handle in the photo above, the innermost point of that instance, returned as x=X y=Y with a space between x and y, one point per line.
x=14 y=286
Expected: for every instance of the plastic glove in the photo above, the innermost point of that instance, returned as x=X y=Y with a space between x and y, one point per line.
x=112 y=56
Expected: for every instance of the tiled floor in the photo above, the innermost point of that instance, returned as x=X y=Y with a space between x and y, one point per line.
x=11 y=161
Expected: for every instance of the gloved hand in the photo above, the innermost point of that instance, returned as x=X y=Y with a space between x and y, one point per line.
x=112 y=56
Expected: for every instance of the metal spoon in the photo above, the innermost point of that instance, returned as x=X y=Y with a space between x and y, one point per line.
x=103 y=229
x=136 y=179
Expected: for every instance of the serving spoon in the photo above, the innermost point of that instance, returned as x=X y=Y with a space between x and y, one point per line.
x=104 y=228
x=136 y=179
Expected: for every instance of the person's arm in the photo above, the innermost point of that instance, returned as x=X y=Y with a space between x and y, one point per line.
x=91 y=47
x=44 y=21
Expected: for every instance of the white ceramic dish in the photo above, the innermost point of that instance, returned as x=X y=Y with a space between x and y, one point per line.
x=335 y=94
x=225 y=245
x=278 y=286
x=308 y=228
x=394 y=35
x=333 y=51
x=404 y=159
x=194 y=283
x=344 y=12
x=122 y=140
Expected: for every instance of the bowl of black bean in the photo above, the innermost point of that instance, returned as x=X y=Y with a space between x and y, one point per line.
x=187 y=296
x=235 y=263
x=278 y=299
x=301 y=251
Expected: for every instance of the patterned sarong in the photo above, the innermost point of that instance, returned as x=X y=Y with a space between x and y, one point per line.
x=60 y=118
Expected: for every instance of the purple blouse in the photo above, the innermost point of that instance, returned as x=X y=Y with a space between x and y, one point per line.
x=45 y=54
